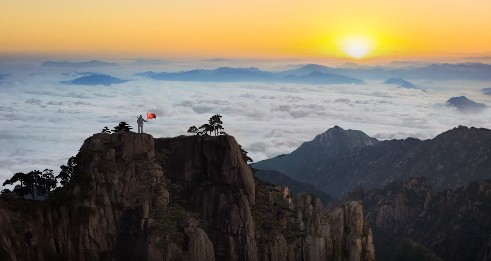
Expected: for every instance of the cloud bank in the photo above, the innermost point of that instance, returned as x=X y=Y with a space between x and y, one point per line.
x=43 y=122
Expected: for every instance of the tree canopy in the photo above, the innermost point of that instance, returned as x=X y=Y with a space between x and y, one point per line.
x=36 y=183
x=122 y=127
x=106 y=130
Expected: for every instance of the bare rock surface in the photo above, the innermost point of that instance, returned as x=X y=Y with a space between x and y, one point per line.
x=454 y=224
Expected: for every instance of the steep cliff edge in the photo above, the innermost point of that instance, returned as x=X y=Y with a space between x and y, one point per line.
x=203 y=203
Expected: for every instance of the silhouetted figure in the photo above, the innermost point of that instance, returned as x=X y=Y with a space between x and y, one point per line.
x=140 y=121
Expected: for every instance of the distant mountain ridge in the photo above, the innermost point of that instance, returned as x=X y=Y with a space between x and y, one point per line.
x=447 y=161
x=252 y=74
x=93 y=63
x=434 y=71
x=486 y=91
x=466 y=105
x=401 y=83
x=349 y=73
x=96 y=79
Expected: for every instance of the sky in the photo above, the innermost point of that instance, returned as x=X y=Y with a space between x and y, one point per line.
x=381 y=29
x=44 y=121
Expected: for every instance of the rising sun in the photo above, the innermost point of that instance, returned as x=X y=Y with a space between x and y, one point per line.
x=356 y=47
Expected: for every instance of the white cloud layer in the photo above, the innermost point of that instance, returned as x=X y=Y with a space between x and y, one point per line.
x=43 y=122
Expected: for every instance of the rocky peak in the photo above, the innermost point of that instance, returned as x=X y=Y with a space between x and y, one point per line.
x=465 y=105
x=337 y=138
x=325 y=147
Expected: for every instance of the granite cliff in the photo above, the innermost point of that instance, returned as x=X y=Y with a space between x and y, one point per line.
x=133 y=197
x=409 y=217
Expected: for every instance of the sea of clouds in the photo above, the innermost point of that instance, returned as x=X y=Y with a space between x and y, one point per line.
x=43 y=121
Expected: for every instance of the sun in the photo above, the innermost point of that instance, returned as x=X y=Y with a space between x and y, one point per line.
x=356 y=47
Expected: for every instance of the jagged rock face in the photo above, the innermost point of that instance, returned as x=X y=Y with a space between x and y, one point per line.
x=296 y=187
x=454 y=224
x=86 y=223
x=219 y=186
x=341 y=235
x=110 y=209
x=449 y=160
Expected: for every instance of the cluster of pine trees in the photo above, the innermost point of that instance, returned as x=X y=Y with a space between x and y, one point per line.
x=214 y=126
x=37 y=183
x=122 y=127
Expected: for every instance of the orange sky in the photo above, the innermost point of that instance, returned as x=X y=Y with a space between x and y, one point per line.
x=253 y=28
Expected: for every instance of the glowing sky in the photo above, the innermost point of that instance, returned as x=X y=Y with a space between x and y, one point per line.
x=252 y=28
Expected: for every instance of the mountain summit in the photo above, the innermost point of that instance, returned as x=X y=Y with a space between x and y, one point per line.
x=465 y=105
x=325 y=147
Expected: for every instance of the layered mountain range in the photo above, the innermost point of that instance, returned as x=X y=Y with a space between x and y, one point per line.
x=133 y=197
x=227 y=74
x=319 y=74
x=339 y=160
x=433 y=71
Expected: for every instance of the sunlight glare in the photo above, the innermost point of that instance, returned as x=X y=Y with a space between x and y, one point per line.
x=356 y=47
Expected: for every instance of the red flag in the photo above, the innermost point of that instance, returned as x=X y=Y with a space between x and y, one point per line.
x=151 y=116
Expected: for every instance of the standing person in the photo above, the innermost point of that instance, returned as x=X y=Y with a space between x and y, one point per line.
x=140 y=121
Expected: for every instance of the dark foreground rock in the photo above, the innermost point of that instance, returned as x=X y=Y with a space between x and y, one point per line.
x=203 y=203
x=454 y=224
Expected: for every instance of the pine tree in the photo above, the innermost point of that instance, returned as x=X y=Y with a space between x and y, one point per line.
x=193 y=129
x=46 y=183
x=18 y=177
x=122 y=127
x=66 y=172
x=106 y=130
x=214 y=125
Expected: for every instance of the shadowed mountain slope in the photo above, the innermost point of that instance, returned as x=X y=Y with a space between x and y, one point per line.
x=296 y=187
x=454 y=224
x=447 y=161
x=323 y=149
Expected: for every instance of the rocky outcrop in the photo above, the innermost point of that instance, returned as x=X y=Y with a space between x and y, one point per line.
x=275 y=177
x=133 y=197
x=454 y=224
